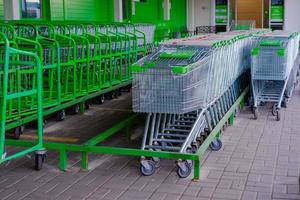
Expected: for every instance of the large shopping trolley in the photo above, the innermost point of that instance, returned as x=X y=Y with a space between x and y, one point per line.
x=272 y=63
x=186 y=87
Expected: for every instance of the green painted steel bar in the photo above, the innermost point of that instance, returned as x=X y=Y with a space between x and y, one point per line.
x=104 y=149
x=89 y=147
x=106 y=134
x=219 y=126
x=9 y=93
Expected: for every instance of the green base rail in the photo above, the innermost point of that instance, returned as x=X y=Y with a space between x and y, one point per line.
x=91 y=146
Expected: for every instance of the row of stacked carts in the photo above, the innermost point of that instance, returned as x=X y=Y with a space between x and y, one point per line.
x=186 y=87
x=274 y=70
x=49 y=67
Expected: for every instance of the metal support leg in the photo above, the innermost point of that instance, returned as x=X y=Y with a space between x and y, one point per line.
x=63 y=160
x=84 y=161
x=196 y=170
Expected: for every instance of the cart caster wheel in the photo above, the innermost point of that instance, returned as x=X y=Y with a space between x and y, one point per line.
x=127 y=89
x=278 y=115
x=284 y=103
x=216 y=145
x=61 y=115
x=200 y=139
x=194 y=147
x=45 y=122
x=75 y=109
x=147 y=167
x=255 y=113
x=274 y=109
x=119 y=92
x=157 y=162
x=112 y=95
x=87 y=105
x=39 y=159
x=101 y=99
x=184 y=169
x=18 y=132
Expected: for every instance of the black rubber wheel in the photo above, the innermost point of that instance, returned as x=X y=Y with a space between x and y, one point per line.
x=61 y=115
x=119 y=92
x=127 y=89
x=101 y=99
x=216 y=145
x=278 y=115
x=274 y=109
x=87 y=105
x=149 y=169
x=255 y=113
x=112 y=95
x=45 y=122
x=39 y=160
x=75 y=109
x=184 y=172
x=18 y=132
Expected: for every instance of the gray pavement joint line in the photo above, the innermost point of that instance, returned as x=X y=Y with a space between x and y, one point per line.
x=226 y=164
x=14 y=192
x=95 y=190
x=277 y=153
x=201 y=163
x=73 y=183
x=24 y=161
x=170 y=172
x=267 y=118
x=236 y=146
x=41 y=186
x=46 y=183
x=19 y=180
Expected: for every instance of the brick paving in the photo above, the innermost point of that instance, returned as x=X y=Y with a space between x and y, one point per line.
x=259 y=160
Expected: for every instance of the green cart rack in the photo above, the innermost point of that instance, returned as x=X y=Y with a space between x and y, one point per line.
x=20 y=88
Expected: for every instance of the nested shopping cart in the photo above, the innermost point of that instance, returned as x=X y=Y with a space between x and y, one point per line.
x=93 y=77
x=272 y=63
x=186 y=87
x=66 y=61
x=147 y=30
x=82 y=59
x=20 y=89
x=26 y=38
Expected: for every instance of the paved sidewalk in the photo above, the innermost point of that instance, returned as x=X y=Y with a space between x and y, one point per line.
x=259 y=160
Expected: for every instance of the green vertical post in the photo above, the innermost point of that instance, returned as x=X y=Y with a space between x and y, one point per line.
x=196 y=170
x=242 y=103
x=82 y=107
x=63 y=160
x=231 y=119
x=218 y=134
x=84 y=161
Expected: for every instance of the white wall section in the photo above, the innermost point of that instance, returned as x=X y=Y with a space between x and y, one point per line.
x=292 y=15
x=12 y=9
x=200 y=13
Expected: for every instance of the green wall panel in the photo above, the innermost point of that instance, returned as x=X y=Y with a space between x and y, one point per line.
x=178 y=14
x=148 y=12
x=152 y=12
x=57 y=9
x=87 y=10
x=1 y=9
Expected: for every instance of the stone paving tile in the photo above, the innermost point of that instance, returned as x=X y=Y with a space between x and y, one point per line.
x=259 y=160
